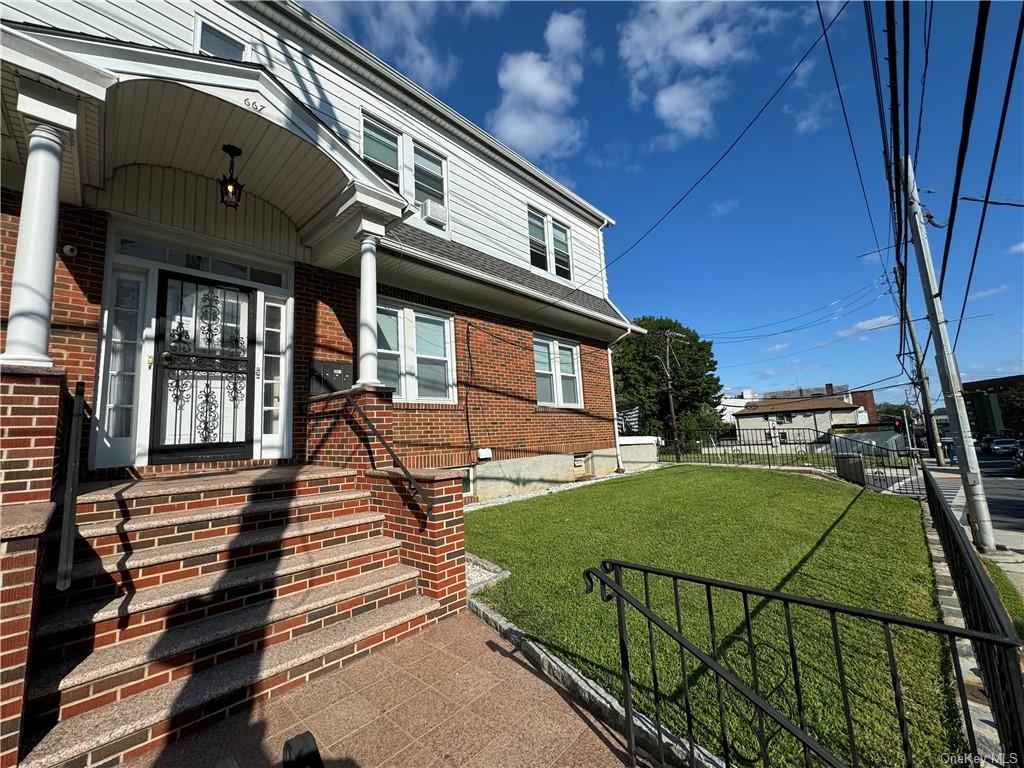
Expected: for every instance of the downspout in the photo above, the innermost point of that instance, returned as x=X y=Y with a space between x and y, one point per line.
x=619 y=468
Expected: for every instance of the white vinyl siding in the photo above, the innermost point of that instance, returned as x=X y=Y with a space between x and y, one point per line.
x=487 y=203
x=415 y=354
x=557 y=371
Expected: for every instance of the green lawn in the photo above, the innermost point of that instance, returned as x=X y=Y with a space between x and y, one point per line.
x=800 y=535
x=1010 y=596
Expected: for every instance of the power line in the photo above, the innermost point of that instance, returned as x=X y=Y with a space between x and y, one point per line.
x=810 y=324
x=974 y=75
x=849 y=131
x=929 y=12
x=992 y=168
x=701 y=178
x=987 y=201
x=822 y=308
x=894 y=123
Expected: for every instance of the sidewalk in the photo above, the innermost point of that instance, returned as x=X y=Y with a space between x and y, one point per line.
x=948 y=480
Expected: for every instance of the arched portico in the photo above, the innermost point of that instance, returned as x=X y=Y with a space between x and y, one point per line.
x=139 y=132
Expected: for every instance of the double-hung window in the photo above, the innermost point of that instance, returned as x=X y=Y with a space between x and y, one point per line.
x=380 y=151
x=549 y=244
x=560 y=246
x=557 y=369
x=428 y=176
x=415 y=354
x=538 y=239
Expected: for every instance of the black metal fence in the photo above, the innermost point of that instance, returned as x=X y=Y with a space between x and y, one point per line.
x=733 y=685
x=983 y=611
x=874 y=464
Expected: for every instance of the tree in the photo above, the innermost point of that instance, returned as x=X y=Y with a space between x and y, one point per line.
x=638 y=363
x=896 y=411
x=1011 y=404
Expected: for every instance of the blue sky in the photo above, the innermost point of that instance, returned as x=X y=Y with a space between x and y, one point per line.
x=630 y=103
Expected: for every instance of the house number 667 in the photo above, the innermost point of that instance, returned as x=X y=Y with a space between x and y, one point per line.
x=254 y=105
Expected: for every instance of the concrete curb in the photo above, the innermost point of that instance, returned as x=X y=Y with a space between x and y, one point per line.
x=593 y=697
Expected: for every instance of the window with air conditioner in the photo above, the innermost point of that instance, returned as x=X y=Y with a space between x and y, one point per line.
x=428 y=186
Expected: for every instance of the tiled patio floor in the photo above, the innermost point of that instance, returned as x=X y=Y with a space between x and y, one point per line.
x=457 y=695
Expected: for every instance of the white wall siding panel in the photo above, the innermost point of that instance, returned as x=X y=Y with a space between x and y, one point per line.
x=190 y=202
x=486 y=201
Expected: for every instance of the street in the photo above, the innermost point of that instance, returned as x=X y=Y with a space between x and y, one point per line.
x=1005 y=491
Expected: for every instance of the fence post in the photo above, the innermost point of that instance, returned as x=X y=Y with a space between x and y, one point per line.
x=627 y=685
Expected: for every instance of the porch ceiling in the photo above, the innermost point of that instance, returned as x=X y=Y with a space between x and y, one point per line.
x=155 y=122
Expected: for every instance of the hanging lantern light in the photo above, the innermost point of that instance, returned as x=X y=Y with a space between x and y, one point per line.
x=230 y=187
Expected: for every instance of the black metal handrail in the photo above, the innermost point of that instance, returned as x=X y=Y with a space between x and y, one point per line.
x=614 y=590
x=997 y=644
x=417 y=489
x=983 y=611
x=68 y=528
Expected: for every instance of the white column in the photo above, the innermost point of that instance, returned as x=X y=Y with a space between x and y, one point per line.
x=368 y=311
x=28 y=324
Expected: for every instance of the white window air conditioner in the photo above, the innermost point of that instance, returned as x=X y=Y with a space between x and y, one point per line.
x=434 y=213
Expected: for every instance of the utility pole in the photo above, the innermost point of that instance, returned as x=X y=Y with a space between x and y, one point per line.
x=671 y=397
x=949 y=373
x=931 y=429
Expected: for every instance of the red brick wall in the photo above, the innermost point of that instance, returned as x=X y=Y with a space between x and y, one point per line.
x=78 y=284
x=19 y=562
x=30 y=439
x=497 y=405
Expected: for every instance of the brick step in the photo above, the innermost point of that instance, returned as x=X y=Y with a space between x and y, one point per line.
x=137 y=570
x=110 y=536
x=82 y=626
x=112 y=501
x=127 y=728
x=118 y=671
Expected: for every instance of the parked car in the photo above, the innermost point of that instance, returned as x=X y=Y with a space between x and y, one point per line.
x=986 y=443
x=1018 y=458
x=1004 y=446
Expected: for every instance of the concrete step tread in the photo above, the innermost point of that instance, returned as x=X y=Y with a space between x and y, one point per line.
x=167 y=519
x=199 y=482
x=79 y=735
x=172 y=552
x=127 y=655
x=104 y=609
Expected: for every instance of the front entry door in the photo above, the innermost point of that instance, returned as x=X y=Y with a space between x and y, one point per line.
x=204 y=370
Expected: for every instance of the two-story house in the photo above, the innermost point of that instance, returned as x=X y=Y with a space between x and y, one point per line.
x=275 y=269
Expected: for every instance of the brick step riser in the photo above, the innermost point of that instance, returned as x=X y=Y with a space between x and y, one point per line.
x=112 y=544
x=123 y=685
x=119 y=509
x=75 y=643
x=162 y=734
x=110 y=585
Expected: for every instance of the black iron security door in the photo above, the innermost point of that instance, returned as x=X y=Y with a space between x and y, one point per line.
x=205 y=366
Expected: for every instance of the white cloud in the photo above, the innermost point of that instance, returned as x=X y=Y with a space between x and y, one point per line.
x=813 y=116
x=676 y=55
x=868 y=325
x=803 y=72
x=722 y=207
x=776 y=347
x=538 y=91
x=686 y=106
x=485 y=9
x=399 y=32
x=988 y=292
x=1017 y=248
